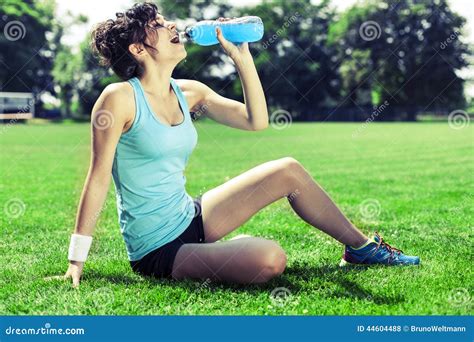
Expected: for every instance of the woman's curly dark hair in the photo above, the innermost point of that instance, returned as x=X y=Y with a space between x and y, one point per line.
x=111 y=38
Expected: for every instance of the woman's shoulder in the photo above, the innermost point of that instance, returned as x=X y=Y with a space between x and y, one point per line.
x=119 y=95
x=189 y=85
x=118 y=99
x=193 y=90
x=117 y=89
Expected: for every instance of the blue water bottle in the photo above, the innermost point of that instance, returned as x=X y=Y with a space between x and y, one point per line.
x=239 y=30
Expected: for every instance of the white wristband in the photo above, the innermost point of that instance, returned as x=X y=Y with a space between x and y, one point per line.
x=79 y=247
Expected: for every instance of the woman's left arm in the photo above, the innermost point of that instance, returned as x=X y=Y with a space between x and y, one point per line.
x=251 y=115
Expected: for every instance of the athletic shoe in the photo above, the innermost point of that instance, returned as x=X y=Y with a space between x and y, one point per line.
x=376 y=251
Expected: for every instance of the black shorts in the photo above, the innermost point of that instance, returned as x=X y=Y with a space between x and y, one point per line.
x=159 y=262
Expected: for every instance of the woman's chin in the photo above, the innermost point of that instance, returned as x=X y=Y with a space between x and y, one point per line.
x=183 y=54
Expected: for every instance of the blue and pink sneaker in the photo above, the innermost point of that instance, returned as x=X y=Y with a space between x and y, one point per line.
x=376 y=251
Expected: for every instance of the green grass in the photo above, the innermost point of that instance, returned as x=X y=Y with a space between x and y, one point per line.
x=421 y=176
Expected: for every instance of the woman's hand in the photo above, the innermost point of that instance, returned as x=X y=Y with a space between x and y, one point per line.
x=74 y=271
x=236 y=52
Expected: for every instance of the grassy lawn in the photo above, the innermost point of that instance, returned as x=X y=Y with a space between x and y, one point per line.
x=411 y=182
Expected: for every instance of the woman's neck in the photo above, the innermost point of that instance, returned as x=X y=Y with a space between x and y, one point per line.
x=156 y=80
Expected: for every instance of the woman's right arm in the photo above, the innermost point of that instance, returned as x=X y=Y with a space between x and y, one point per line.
x=111 y=113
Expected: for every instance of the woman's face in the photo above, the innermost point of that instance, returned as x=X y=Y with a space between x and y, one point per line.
x=162 y=35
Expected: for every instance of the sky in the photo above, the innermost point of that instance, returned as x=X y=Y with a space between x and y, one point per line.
x=97 y=11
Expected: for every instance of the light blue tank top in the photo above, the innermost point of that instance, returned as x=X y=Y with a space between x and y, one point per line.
x=148 y=172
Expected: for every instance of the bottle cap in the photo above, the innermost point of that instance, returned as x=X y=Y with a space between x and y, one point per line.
x=183 y=37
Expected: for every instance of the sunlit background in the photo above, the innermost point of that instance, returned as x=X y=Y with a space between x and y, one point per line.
x=329 y=60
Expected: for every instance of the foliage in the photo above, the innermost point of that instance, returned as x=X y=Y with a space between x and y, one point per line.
x=26 y=55
x=412 y=53
x=311 y=59
x=294 y=61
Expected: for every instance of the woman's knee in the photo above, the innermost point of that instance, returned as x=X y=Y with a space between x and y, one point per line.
x=289 y=163
x=289 y=170
x=272 y=262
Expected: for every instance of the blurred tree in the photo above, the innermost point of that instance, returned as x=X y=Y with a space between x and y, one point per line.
x=94 y=78
x=354 y=72
x=26 y=54
x=414 y=50
x=80 y=79
x=65 y=74
x=66 y=63
x=295 y=63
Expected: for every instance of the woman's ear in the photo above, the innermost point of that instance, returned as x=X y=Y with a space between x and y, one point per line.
x=136 y=50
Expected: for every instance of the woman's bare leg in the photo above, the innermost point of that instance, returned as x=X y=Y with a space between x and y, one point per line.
x=246 y=260
x=228 y=206
x=231 y=204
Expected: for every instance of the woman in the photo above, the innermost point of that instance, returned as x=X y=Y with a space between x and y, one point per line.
x=143 y=135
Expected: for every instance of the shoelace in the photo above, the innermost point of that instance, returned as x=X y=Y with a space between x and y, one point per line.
x=385 y=245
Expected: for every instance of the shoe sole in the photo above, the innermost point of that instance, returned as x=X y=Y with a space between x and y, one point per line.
x=345 y=263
